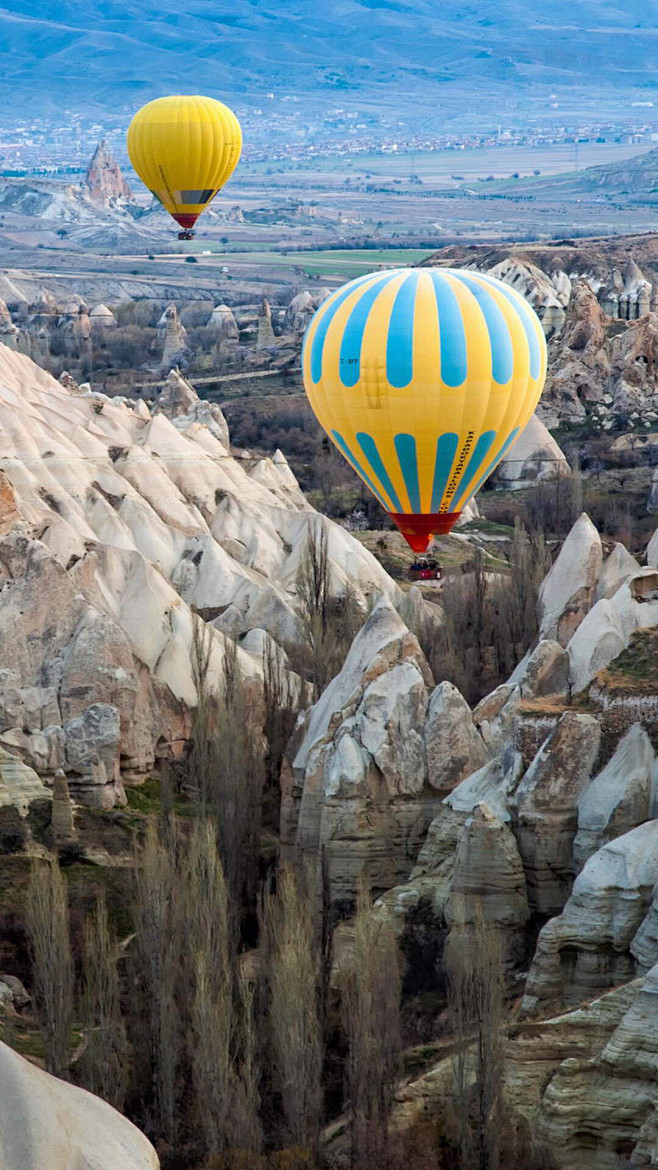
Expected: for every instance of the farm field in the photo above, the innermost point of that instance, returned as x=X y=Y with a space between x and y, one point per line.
x=450 y=168
x=345 y=262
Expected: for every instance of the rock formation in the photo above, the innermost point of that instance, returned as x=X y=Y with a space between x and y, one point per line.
x=356 y=790
x=454 y=747
x=535 y=456
x=619 y=799
x=102 y=318
x=567 y=593
x=547 y=802
x=174 y=338
x=223 y=324
x=124 y=520
x=45 y=1122
x=488 y=879
x=589 y=947
x=547 y=297
x=600 y=320
x=104 y=180
x=9 y=333
x=301 y=309
x=266 y=336
x=607 y=628
x=618 y=567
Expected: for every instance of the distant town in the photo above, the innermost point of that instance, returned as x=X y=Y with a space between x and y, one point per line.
x=285 y=131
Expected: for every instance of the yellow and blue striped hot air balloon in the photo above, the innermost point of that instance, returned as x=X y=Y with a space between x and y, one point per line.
x=424 y=378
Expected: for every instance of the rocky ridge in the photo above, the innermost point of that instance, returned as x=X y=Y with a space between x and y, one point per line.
x=537 y=810
x=598 y=308
x=137 y=525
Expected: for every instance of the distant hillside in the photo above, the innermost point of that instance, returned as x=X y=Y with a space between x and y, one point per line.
x=65 y=51
x=636 y=177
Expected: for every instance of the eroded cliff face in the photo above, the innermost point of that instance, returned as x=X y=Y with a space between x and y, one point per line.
x=124 y=529
x=542 y=805
x=121 y=532
x=599 y=311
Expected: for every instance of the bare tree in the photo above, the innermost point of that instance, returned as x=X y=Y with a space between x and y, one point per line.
x=208 y=952
x=293 y=973
x=200 y=763
x=476 y=991
x=329 y=624
x=281 y=709
x=47 y=919
x=225 y=769
x=247 y=1132
x=516 y=598
x=158 y=947
x=236 y=790
x=370 y=986
x=104 y=1061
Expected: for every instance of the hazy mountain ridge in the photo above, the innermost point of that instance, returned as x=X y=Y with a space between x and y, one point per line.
x=59 y=52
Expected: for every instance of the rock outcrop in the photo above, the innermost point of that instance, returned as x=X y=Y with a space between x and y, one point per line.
x=608 y=627
x=534 y=457
x=567 y=593
x=114 y=522
x=594 y=1108
x=547 y=296
x=589 y=947
x=174 y=338
x=301 y=309
x=619 y=798
x=45 y=1122
x=224 y=325
x=266 y=336
x=102 y=319
x=453 y=744
x=104 y=180
x=489 y=881
x=356 y=794
x=547 y=801
x=618 y=567
x=599 y=316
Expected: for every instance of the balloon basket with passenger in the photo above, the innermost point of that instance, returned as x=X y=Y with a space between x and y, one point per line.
x=425 y=569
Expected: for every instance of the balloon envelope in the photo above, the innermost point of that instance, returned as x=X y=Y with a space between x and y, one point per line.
x=184 y=149
x=424 y=378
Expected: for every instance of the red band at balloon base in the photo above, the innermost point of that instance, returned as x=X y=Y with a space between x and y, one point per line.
x=418 y=530
x=185 y=221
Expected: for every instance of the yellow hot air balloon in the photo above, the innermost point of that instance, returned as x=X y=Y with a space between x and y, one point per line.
x=184 y=150
x=424 y=378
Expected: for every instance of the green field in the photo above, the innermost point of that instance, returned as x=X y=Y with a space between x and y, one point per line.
x=345 y=262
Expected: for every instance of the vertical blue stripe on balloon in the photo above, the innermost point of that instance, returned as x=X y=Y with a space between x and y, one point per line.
x=350 y=346
x=400 y=342
x=405 y=446
x=369 y=448
x=526 y=314
x=491 y=466
x=446 y=447
x=326 y=318
x=482 y=447
x=352 y=459
x=454 y=360
x=502 y=350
